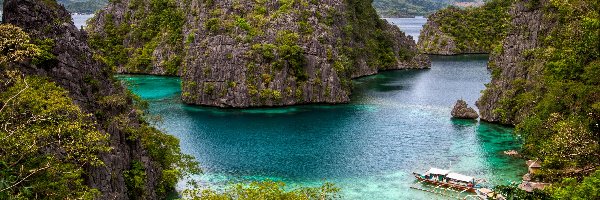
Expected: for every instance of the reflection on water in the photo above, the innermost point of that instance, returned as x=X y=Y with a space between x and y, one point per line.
x=398 y=122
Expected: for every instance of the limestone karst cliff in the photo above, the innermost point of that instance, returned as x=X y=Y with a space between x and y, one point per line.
x=70 y=64
x=545 y=82
x=454 y=30
x=508 y=65
x=254 y=53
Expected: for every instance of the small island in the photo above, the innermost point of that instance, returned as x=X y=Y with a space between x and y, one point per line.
x=254 y=54
x=462 y=111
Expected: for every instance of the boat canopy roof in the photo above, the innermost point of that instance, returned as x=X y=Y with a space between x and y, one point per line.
x=460 y=177
x=438 y=171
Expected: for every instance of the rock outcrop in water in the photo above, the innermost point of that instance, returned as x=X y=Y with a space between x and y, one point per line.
x=249 y=54
x=92 y=88
x=473 y=30
x=462 y=111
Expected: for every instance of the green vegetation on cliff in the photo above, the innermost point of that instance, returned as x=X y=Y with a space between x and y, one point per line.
x=456 y=30
x=568 y=188
x=50 y=144
x=561 y=123
x=252 y=53
x=266 y=190
x=46 y=140
x=378 y=46
x=556 y=108
x=157 y=23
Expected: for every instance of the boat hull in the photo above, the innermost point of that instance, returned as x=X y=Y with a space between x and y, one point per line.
x=444 y=184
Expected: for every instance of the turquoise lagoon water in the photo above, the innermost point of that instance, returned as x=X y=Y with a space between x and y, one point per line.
x=397 y=123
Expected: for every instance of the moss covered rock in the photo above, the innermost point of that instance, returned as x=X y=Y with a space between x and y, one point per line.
x=470 y=30
x=74 y=116
x=256 y=53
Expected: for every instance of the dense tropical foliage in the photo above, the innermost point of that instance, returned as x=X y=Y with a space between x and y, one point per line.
x=266 y=190
x=46 y=139
x=49 y=144
x=559 y=103
x=473 y=29
x=568 y=188
x=561 y=126
x=161 y=19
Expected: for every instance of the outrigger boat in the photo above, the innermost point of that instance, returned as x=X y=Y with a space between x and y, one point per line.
x=445 y=178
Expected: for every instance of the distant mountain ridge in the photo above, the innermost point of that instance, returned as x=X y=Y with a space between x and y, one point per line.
x=385 y=8
x=411 y=8
x=82 y=6
x=407 y=8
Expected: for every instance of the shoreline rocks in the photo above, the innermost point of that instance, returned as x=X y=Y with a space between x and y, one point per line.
x=462 y=111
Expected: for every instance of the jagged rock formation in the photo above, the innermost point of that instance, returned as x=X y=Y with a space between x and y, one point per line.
x=433 y=41
x=509 y=71
x=249 y=54
x=545 y=82
x=92 y=88
x=462 y=111
x=474 y=30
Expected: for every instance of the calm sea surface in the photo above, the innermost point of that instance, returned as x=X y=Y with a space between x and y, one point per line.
x=397 y=123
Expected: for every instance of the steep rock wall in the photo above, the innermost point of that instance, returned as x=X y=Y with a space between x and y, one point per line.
x=511 y=73
x=273 y=53
x=545 y=81
x=453 y=30
x=89 y=83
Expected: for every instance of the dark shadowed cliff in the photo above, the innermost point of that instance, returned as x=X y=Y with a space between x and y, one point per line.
x=71 y=65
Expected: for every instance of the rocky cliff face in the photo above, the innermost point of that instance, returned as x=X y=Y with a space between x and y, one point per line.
x=89 y=84
x=433 y=40
x=137 y=36
x=462 y=110
x=512 y=69
x=248 y=54
x=545 y=81
x=453 y=30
